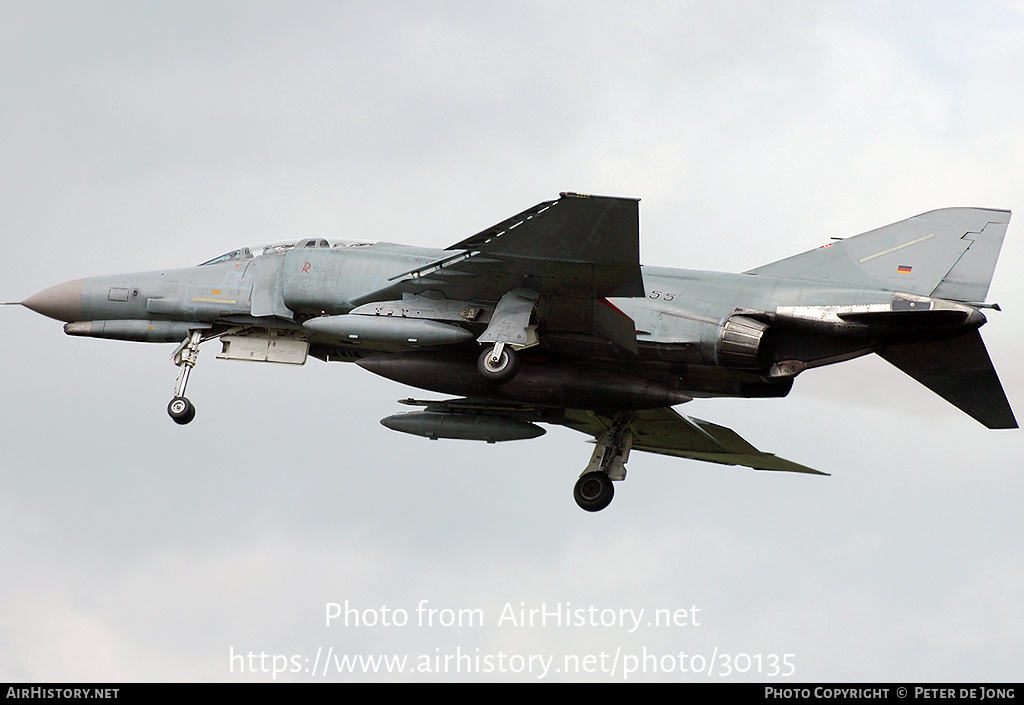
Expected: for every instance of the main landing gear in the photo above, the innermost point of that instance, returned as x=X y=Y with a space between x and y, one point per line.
x=509 y=326
x=594 y=490
x=499 y=364
x=180 y=409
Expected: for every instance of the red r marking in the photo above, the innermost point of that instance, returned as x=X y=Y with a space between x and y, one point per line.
x=305 y=269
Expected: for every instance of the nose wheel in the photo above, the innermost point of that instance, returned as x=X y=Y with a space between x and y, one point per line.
x=181 y=410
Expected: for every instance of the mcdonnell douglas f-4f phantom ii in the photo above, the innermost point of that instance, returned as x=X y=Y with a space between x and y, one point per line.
x=548 y=317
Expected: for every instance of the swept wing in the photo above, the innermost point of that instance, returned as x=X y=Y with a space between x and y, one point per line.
x=662 y=431
x=575 y=246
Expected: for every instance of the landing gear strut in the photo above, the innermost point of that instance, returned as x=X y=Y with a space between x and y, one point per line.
x=181 y=410
x=594 y=490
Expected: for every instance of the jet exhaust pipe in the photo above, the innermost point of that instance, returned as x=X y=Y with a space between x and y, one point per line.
x=741 y=344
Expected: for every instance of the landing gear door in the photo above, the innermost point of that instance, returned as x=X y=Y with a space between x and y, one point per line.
x=259 y=347
x=511 y=318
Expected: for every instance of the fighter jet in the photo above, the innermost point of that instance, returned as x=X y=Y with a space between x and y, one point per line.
x=549 y=318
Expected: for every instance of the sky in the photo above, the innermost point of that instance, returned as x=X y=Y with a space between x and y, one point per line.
x=285 y=532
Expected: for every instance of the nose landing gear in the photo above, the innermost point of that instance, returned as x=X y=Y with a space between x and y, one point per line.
x=180 y=409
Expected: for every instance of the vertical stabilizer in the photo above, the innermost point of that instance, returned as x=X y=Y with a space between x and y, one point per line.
x=970 y=277
x=949 y=253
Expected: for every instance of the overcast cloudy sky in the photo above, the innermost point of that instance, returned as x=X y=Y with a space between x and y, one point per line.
x=145 y=135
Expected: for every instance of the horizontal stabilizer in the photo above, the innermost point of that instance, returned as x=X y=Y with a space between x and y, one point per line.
x=960 y=371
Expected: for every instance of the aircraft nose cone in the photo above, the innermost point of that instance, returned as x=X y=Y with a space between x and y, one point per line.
x=62 y=302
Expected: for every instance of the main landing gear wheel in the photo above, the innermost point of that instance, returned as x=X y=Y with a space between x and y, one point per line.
x=181 y=410
x=594 y=491
x=498 y=364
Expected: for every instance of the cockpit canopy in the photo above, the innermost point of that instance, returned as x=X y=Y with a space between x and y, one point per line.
x=279 y=248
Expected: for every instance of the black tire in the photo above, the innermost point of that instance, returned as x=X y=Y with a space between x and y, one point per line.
x=502 y=372
x=594 y=491
x=181 y=410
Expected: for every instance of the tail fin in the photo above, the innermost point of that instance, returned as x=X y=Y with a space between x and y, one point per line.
x=960 y=371
x=948 y=253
